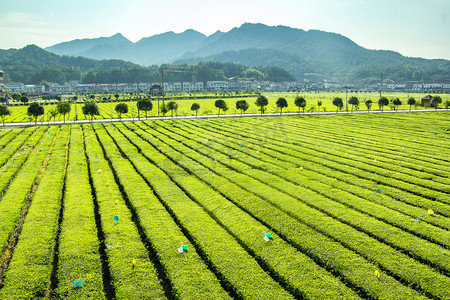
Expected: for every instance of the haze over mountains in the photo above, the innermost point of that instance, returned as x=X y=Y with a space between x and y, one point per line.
x=309 y=54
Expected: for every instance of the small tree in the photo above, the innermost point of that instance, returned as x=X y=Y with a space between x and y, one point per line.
x=368 y=104
x=435 y=101
x=195 y=107
x=447 y=104
x=242 y=105
x=300 y=102
x=90 y=109
x=53 y=113
x=4 y=111
x=396 y=102
x=164 y=109
x=221 y=105
x=63 y=108
x=117 y=97
x=338 y=103
x=382 y=102
x=145 y=105
x=121 y=108
x=24 y=99
x=172 y=106
x=319 y=104
x=16 y=96
x=411 y=102
x=281 y=103
x=2 y=99
x=353 y=101
x=35 y=109
x=262 y=101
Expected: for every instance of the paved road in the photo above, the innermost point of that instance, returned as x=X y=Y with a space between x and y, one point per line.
x=221 y=116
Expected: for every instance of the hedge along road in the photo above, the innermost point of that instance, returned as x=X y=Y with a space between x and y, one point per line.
x=21 y=124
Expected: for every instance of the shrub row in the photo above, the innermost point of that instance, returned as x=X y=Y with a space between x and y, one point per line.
x=133 y=275
x=283 y=260
x=249 y=280
x=28 y=274
x=17 y=194
x=348 y=236
x=353 y=269
x=189 y=278
x=79 y=257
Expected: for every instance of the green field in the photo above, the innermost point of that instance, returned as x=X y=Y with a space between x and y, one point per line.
x=357 y=207
x=207 y=107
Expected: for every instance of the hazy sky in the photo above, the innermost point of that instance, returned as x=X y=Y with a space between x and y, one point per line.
x=413 y=28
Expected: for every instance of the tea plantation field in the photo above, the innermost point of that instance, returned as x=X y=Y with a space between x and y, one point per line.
x=295 y=207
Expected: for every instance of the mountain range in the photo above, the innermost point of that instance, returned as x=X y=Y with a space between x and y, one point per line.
x=309 y=54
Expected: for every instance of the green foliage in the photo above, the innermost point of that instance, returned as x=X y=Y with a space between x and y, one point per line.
x=24 y=99
x=144 y=104
x=64 y=108
x=382 y=102
x=221 y=105
x=261 y=101
x=35 y=109
x=368 y=104
x=90 y=109
x=337 y=101
x=172 y=106
x=242 y=105
x=195 y=107
x=396 y=102
x=281 y=103
x=16 y=96
x=4 y=111
x=411 y=102
x=300 y=102
x=121 y=108
x=354 y=101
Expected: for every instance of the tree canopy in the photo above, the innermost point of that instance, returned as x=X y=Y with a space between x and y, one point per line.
x=262 y=101
x=90 y=109
x=221 y=105
x=281 y=103
x=35 y=109
x=63 y=109
x=300 y=102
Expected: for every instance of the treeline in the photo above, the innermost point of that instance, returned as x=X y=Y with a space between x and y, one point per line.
x=33 y=65
x=398 y=74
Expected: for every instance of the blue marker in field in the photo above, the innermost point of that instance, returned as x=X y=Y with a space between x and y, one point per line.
x=378 y=190
x=116 y=218
x=77 y=284
x=241 y=145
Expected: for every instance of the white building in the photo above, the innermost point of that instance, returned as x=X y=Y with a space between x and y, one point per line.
x=14 y=87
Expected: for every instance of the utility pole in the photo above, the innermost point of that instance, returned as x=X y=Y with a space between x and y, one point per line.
x=162 y=89
x=381 y=83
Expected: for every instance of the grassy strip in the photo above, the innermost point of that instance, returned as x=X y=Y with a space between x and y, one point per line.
x=134 y=276
x=13 y=200
x=79 y=257
x=249 y=280
x=352 y=268
x=28 y=276
x=188 y=278
x=428 y=280
x=284 y=261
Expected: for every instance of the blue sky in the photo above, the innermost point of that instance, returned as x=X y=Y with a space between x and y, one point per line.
x=416 y=28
